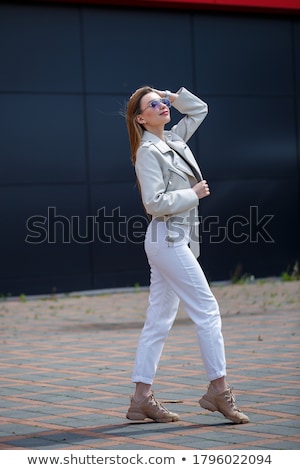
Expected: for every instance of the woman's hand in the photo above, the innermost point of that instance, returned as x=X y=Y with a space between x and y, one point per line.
x=162 y=94
x=201 y=189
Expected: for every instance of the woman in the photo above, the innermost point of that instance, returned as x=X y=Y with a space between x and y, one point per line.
x=171 y=186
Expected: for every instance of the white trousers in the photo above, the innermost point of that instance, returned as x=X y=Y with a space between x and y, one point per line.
x=177 y=276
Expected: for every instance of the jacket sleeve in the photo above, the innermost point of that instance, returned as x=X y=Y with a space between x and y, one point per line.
x=195 y=111
x=157 y=201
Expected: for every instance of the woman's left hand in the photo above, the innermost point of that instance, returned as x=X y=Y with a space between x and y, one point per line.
x=201 y=189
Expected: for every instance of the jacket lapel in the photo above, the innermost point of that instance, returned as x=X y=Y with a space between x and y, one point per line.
x=180 y=147
x=183 y=150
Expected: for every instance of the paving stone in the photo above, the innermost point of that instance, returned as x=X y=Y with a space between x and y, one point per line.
x=66 y=364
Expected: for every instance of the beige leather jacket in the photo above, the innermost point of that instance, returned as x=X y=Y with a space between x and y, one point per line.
x=165 y=178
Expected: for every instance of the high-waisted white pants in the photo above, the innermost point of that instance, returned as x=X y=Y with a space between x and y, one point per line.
x=177 y=276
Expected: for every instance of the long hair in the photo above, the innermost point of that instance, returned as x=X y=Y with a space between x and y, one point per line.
x=135 y=130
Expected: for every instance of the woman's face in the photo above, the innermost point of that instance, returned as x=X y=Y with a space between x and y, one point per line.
x=154 y=112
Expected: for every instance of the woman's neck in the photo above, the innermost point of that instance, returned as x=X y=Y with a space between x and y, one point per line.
x=159 y=132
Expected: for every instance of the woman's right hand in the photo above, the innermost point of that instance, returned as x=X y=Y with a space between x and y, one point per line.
x=162 y=94
x=201 y=189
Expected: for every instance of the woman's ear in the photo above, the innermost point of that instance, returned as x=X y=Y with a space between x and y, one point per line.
x=140 y=119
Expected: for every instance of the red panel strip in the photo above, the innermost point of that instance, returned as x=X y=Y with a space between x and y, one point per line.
x=277 y=6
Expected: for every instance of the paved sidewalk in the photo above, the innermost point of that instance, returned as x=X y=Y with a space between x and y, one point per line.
x=66 y=363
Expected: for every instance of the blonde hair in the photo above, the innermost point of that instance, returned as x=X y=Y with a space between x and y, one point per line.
x=135 y=130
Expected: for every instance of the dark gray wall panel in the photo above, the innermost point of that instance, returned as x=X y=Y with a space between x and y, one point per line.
x=111 y=279
x=296 y=35
x=248 y=137
x=109 y=151
x=262 y=240
x=66 y=73
x=40 y=49
x=42 y=139
x=122 y=222
x=42 y=243
x=132 y=48
x=243 y=55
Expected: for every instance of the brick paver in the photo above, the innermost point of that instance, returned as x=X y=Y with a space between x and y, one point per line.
x=66 y=363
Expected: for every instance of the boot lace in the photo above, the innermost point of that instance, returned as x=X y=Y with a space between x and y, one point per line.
x=157 y=404
x=230 y=398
